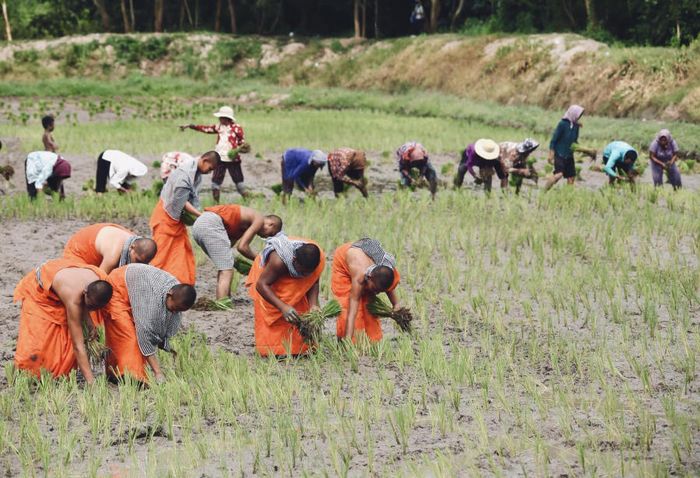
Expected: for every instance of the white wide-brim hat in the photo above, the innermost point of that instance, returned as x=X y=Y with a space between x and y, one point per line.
x=225 y=112
x=487 y=149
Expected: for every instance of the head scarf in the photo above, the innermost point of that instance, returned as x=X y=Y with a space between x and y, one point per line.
x=62 y=168
x=573 y=114
x=318 y=156
x=671 y=143
x=527 y=146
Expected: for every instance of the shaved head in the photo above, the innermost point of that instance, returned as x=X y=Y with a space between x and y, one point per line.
x=182 y=297
x=272 y=224
x=307 y=257
x=143 y=250
x=98 y=294
x=383 y=277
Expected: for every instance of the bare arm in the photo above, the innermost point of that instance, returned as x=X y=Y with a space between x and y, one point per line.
x=312 y=295
x=76 y=314
x=393 y=299
x=274 y=269
x=355 y=294
x=110 y=259
x=155 y=366
x=243 y=245
x=192 y=210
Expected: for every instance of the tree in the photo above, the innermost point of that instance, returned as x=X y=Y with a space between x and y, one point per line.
x=8 y=30
x=104 y=14
x=434 y=15
x=125 y=18
x=592 y=18
x=158 y=12
x=217 y=17
x=232 y=14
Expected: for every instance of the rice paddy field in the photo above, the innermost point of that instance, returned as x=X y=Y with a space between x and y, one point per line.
x=556 y=334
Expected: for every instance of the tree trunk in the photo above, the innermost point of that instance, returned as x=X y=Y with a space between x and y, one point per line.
x=591 y=14
x=434 y=15
x=217 y=17
x=125 y=17
x=569 y=15
x=186 y=6
x=158 y=11
x=133 y=17
x=232 y=14
x=457 y=13
x=104 y=14
x=376 y=19
x=363 y=30
x=356 y=17
x=8 y=29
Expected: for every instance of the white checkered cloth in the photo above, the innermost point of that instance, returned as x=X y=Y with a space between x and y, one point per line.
x=374 y=250
x=148 y=288
x=210 y=233
x=284 y=247
x=125 y=258
x=182 y=186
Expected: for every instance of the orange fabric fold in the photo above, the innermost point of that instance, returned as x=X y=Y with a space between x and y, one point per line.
x=341 y=284
x=44 y=341
x=175 y=254
x=273 y=334
x=231 y=215
x=124 y=356
x=81 y=245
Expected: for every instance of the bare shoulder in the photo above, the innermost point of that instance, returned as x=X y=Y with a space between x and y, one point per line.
x=111 y=237
x=71 y=281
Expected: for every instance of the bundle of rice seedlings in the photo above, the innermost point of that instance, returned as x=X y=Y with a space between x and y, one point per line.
x=382 y=308
x=577 y=148
x=89 y=185
x=277 y=189
x=187 y=218
x=242 y=265
x=311 y=324
x=206 y=304
x=94 y=345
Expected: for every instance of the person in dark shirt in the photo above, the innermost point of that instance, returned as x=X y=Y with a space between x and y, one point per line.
x=560 y=152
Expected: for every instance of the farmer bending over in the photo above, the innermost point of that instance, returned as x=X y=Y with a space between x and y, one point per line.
x=412 y=156
x=514 y=160
x=347 y=166
x=299 y=167
x=485 y=154
x=618 y=157
x=118 y=168
x=360 y=271
x=57 y=298
x=283 y=284
x=229 y=143
x=143 y=315
x=220 y=227
x=560 y=152
x=179 y=196
x=46 y=168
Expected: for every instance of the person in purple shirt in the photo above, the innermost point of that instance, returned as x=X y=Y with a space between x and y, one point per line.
x=663 y=153
x=299 y=167
x=485 y=155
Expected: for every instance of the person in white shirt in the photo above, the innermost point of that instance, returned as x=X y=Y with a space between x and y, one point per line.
x=46 y=168
x=117 y=167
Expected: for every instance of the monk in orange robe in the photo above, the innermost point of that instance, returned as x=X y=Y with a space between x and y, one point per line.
x=360 y=271
x=283 y=284
x=142 y=316
x=109 y=246
x=56 y=300
x=179 y=195
x=220 y=227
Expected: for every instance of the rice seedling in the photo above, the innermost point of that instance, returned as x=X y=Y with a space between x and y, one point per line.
x=310 y=324
x=242 y=265
x=382 y=308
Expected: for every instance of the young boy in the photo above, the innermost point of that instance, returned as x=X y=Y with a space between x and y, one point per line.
x=47 y=138
x=229 y=143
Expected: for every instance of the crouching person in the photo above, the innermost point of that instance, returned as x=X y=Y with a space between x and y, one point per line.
x=142 y=317
x=618 y=162
x=283 y=284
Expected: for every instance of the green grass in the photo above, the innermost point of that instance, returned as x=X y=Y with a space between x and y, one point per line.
x=556 y=334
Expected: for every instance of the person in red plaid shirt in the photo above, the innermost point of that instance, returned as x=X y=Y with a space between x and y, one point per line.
x=230 y=142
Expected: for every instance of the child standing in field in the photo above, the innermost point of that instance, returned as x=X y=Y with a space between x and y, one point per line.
x=48 y=123
x=229 y=144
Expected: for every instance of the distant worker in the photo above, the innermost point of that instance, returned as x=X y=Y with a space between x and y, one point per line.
x=663 y=153
x=118 y=168
x=49 y=124
x=484 y=154
x=44 y=168
x=618 y=162
x=347 y=166
x=142 y=317
x=170 y=161
x=220 y=227
x=109 y=246
x=561 y=153
x=514 y=158
x=57 y=298
x=299 y=166
x=413 y=155
x=179 y=197
x=284 y=285
x=360 y=271
x=230 y=142
x=6 y=173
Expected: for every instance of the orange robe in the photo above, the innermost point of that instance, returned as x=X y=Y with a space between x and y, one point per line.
x=120 y=332
x=273 y=334
x=231 y=216
x=341 y=285
x=44 y=341
x=175 y=254
x=81 y=245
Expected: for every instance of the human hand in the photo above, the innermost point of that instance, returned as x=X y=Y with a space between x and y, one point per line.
x=185 y=126
x=160 y=378
x=291 y=315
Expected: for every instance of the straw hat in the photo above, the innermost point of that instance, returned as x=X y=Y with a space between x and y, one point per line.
x=225 y=112
x=487 y=149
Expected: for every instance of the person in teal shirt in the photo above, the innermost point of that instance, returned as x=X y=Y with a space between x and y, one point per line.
x=560 y=152
x=618 y=157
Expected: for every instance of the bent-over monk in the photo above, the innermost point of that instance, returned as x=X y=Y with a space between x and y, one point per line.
x=283 y=284
x=109 y=246
x=56 y=299
x=220 y=227
x=142 y=317
x=180 y=195
x=360 y=271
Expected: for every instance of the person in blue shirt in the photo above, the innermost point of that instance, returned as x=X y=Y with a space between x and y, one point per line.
x=299 y=167
x=619 y=157
x=560 y=152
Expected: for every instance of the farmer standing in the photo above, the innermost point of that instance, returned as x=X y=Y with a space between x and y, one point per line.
x=220 y=227
x=360 y=271
x=142 y=316
x=560 y=152
x=179 y=196
x=413 y=155
x=663 y=153
x=618 y=162
x=230 y=142
x=485 y=154
x=57 y=298
x=284 y=284
x=299 y=167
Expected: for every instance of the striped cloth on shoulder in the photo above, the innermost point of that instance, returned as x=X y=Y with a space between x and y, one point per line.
x=148 y=288
x=284 y=247
x=374 y=250
x=210 y=233
x=125 y=258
